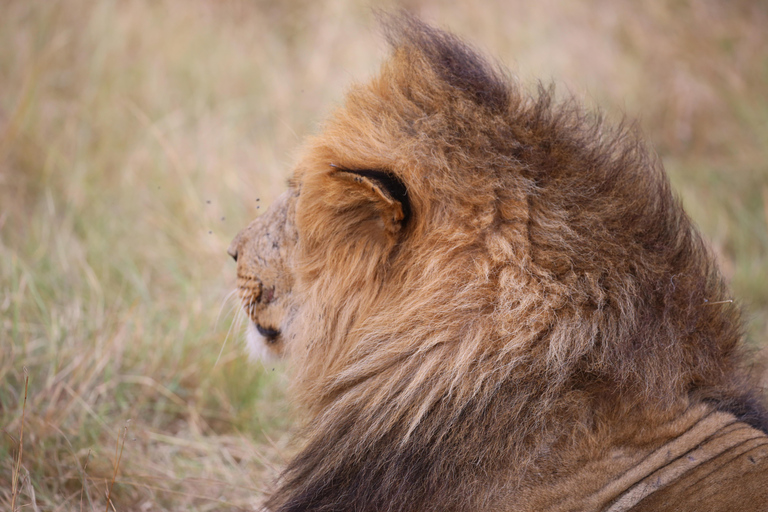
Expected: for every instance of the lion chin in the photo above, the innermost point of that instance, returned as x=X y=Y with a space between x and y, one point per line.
x=491 y=300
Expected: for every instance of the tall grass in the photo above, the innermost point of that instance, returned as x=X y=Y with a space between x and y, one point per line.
x=137 y=137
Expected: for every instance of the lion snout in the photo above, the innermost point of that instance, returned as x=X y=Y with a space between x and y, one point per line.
x=232 y=251
x=263 y=253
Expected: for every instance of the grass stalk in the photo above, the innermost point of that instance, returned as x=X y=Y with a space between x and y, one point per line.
x=16 y=478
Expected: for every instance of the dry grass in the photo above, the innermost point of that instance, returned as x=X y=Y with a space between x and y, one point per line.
x=136 y=138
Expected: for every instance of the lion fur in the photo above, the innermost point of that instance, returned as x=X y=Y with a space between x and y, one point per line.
x=547 y=296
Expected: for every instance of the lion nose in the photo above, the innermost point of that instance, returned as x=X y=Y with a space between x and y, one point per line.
x=232 y=250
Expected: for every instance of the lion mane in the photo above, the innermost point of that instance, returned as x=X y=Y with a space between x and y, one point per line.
x=493 y=301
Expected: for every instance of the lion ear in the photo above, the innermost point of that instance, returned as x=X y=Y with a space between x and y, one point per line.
x=381 y=189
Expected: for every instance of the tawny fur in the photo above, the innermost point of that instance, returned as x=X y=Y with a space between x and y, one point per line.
x=491 y=291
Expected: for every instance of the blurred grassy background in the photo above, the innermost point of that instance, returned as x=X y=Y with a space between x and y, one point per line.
x=138 y=136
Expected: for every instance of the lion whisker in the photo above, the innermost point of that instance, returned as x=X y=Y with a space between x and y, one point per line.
x=236 y=323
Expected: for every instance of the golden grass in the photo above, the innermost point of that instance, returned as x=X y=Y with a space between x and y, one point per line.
x=136 y=138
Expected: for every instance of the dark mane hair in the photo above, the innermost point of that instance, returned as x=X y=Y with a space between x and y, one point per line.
x=456 y=63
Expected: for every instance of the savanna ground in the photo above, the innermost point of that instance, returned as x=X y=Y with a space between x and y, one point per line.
x=138 y=136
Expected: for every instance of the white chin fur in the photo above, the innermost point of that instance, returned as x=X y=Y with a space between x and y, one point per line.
x=257 y=344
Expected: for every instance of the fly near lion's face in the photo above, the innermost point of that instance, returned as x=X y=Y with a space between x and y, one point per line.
x=493 y=301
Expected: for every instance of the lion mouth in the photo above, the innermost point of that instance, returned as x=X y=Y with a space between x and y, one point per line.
x=263 y=343
x=269 y=333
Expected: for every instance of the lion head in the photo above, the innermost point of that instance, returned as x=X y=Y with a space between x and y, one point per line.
x=479 y=287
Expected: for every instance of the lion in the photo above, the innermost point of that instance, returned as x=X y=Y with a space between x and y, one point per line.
x=492 y=300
